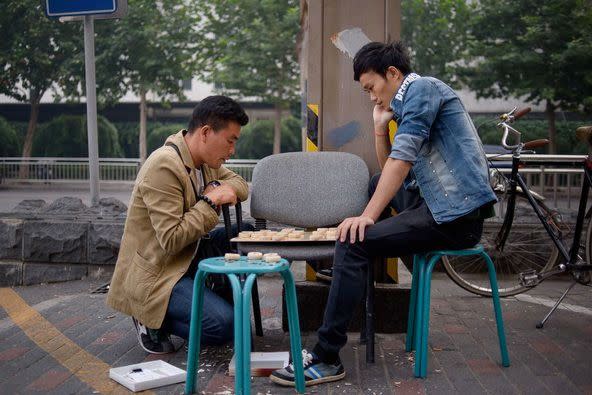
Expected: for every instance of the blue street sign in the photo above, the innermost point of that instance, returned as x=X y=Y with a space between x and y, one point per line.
x=55 y=8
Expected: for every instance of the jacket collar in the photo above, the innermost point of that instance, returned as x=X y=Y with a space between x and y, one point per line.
x=179 y=141
x=397 y=101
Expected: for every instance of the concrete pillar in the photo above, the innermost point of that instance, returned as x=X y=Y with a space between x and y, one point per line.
x=335 y=104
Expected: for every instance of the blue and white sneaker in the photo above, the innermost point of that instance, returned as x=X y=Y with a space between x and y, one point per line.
x=315 y=371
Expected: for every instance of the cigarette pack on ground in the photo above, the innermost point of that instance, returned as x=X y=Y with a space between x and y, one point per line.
x=146 y=375
x=263 y=363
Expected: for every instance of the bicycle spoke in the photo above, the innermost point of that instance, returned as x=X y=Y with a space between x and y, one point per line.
x=527 y=247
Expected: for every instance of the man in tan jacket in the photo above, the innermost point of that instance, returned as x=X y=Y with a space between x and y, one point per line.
x=175 y=202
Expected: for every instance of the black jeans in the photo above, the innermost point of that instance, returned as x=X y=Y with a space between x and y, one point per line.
x=412 y=230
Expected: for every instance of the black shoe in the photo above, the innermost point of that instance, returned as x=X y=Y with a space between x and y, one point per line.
x=325 y=275
x=315 y=371
x=153 y=341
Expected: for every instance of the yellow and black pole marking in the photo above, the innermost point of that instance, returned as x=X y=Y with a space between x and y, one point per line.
x=312 y=127
x=312 y=145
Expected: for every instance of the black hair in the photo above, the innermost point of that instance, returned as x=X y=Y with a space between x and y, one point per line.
x=217 y=111
x=378 y=57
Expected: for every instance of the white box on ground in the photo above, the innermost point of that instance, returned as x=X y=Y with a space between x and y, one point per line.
x=263 y=363
x=146 y=375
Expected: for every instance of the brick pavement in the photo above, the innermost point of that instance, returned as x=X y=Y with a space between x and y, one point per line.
x=463 y=348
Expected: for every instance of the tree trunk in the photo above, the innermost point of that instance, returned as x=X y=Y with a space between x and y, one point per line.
x=550 y=113
x=28 y=145
x=277 y=130
x=142 y=138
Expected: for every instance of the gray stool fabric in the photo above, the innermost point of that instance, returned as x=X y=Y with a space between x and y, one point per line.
x=309 y=189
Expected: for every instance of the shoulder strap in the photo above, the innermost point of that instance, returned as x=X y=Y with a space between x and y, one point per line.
x=169 y=144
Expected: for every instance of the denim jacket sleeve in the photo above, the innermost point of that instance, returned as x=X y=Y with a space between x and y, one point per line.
x=418 y=111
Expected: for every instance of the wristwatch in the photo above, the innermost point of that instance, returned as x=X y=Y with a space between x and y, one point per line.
x=214 y=183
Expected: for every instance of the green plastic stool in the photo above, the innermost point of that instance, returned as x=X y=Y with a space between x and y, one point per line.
x=242 y=317
x=419 y=305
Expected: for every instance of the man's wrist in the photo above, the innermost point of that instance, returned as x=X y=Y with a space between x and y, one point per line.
x=381 y=129
x=209 y=201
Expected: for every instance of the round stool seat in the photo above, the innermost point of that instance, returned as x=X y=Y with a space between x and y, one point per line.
x=476 y=250
x=242 y=265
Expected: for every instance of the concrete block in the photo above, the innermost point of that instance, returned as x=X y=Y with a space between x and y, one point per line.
x=11 y=274
x=55 y=241
x=37 y=273
x=391 y=306
x=104 y=242
x=11 y=238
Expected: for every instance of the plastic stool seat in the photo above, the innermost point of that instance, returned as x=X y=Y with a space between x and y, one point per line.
x=220 y=265
x=242 y=317
x=419 y=304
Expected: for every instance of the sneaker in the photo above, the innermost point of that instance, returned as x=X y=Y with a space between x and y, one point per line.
x=315 y=371
x=153 y=341
x=325 y=275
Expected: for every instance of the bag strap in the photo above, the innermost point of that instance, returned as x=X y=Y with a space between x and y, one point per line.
x=169 y=144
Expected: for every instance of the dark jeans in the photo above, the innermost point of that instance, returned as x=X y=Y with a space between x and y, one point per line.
x=217 y=316
x=412 y=230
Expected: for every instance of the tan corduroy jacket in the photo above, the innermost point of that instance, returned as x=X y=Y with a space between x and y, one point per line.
x=162 y=229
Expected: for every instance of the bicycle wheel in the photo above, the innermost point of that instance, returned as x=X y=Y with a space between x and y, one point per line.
x=527 y=248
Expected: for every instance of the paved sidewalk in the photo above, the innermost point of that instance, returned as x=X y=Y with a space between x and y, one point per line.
x=60 y=339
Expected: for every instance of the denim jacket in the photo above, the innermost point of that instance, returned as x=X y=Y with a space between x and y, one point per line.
x=436 y=135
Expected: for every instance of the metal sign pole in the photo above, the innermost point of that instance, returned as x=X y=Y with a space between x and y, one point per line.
x=91 y=108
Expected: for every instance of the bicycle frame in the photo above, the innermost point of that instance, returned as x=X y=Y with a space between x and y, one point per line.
x=570 y=257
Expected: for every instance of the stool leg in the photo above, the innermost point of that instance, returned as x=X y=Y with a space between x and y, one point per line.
x=238 y=340
x=195 y=331
x=370 y=313
x=421 y=262
x=412 y=303
x=248 y=287
x=425 y=317
x=257 y=310
x=294 y=324
x=497 y=310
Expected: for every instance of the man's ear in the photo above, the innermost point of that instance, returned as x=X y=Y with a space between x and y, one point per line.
x=393 y=72
x=204 y=132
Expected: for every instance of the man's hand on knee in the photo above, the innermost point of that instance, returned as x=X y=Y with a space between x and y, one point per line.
x=355 y=226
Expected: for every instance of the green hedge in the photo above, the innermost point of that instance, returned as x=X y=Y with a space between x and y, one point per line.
x=66 y=136
x=158 y=135
x=256 y=140
x=9 y=141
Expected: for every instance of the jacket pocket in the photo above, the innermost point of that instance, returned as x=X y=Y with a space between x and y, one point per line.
x=140 y=279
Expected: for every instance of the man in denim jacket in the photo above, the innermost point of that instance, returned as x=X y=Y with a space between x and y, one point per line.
x=438 y=158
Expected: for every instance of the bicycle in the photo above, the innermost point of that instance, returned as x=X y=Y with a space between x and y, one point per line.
x=517 y=238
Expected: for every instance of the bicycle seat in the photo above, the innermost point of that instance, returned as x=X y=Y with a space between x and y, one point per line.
x=584 y=134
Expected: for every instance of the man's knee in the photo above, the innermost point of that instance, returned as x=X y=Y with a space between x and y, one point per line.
x=221 y=328
x=355 y=250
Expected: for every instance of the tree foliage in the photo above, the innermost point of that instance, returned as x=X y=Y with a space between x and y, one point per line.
x=148 y=53
x=537 y=50
x=436 y=33
x=36 y=54
x=250 y=50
